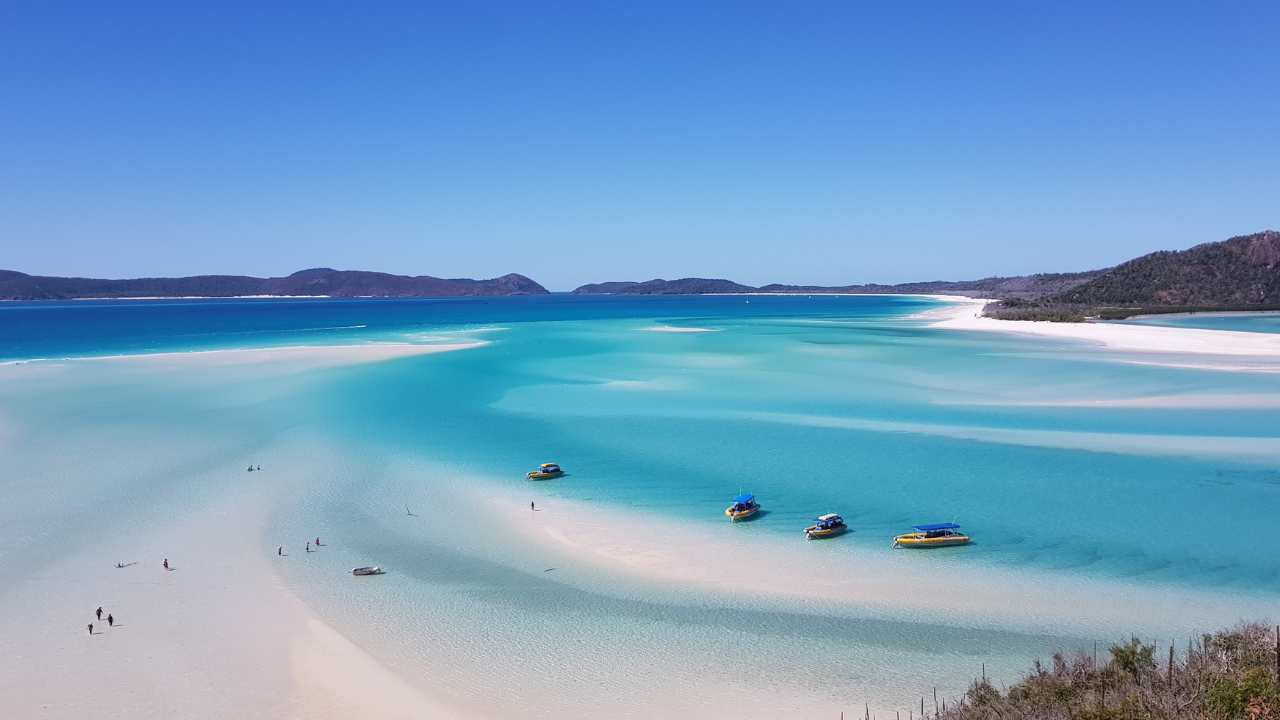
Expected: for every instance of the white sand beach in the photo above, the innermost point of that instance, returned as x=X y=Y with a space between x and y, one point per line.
x=218 y=634
x=1228 y=350
x=215 y=636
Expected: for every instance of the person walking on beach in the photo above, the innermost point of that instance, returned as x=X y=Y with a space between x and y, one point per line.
x=280 y=551
x=99 y=612
x=308 y=546
x=317 y=541
x=166 y=563
x=531 y=507
x=90 y=628
x=111 y=621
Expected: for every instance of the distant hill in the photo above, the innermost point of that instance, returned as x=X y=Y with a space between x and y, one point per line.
x=314 y=282
x=683 y=286
x=1244 y=270
x=994 y=287
x=1240 y=273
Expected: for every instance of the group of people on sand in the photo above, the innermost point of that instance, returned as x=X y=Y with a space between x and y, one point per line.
x=111 y=619
x=253 y=468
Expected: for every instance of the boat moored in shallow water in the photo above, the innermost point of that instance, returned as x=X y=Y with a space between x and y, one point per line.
x=930 y=536
x=545 y=471
x=743 y=507
x=367 y=570
x=829 y=525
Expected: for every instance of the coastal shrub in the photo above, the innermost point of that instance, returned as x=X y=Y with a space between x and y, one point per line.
x=1229 y=675
x=1134 y=658
x=1252 y=696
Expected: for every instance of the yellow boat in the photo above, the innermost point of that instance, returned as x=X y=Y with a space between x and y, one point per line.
x=545 y=471
x=743 y=507
x=931 y=536
x=829 y=525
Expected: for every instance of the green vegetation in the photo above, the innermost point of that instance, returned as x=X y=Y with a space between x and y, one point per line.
x=1230 y=675
x=1241 y=271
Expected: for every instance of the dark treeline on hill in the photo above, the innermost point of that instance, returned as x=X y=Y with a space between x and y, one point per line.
x=683 y=286
x=1229 y=675
x=1241 y=273
x=314 y=282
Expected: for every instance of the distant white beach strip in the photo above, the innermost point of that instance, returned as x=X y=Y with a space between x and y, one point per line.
x=966 y=314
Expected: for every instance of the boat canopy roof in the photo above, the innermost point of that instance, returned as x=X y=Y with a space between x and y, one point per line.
x=937 y=526
x=744 y=499
x=549 y=465
x=829 y=516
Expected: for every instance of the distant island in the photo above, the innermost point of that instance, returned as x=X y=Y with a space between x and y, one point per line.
x=1025 y=286
x=1241 y=273
x=316 y=282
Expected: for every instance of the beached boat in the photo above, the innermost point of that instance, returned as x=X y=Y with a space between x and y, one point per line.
x=829 y=525
x=743 y=507
x=545 y=471
x=367 y=570
x=931 y=536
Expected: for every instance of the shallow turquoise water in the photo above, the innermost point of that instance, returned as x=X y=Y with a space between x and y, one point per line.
x=814 y=404
x=676 y=423
x=1268 y=322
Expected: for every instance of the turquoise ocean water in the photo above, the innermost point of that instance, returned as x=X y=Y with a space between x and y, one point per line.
x=1249 y=322
x=815 y=404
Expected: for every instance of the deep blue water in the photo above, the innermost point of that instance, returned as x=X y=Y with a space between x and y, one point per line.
x=78 y=328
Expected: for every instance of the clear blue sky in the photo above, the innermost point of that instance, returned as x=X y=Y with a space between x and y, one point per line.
x=770 y=141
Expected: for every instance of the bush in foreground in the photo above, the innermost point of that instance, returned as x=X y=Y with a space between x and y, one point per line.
x=1230 y=675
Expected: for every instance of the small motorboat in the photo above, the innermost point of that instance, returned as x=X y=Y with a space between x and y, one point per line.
x=367 y=570
x=829 y=525
x=932 y=536
x=545 y=471
x=743 y=507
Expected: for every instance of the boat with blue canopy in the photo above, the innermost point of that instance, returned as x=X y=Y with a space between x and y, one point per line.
x=743 y=507
x=826 y=526
x=932 y=535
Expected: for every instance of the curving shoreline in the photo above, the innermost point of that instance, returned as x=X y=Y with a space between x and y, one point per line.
x=966 y=314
